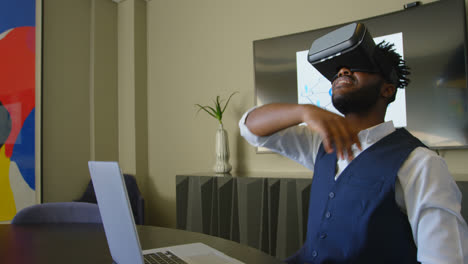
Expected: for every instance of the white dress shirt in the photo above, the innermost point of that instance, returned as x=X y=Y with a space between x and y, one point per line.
x=424 y=190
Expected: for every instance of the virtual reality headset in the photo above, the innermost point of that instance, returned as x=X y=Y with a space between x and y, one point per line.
x=352 y=47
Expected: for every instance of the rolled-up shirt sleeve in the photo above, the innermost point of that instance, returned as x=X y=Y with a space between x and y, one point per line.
x=433 y=202
x=297 y=142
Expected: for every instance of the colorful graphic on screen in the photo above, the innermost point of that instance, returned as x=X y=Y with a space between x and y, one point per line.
x=17 y=106
x=313 y=88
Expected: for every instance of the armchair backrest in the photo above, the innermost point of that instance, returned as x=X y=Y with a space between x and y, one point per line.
x=56 y=213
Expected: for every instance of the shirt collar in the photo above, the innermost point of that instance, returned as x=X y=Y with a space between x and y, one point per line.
x=373 y=134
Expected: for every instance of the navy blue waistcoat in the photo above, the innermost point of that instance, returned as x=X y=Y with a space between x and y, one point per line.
x=355 y=219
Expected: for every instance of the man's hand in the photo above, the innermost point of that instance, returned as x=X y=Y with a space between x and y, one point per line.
x=336 y=132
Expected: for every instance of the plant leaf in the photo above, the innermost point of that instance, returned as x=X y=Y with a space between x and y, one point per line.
x=215 y=112
x=204 y=108
x=218 y=105
x=227 y=102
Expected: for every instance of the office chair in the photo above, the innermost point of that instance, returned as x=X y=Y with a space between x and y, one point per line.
x=136 y=199
x=58 y=213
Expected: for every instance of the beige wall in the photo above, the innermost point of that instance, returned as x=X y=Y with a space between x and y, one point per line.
x=94 y=92
x=95 y=63
x=65 y=94
x=126 y=87
x=79 y=93
x=132 y=90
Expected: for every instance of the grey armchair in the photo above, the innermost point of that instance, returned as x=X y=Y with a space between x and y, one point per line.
x=56 y=213
x=136 y=199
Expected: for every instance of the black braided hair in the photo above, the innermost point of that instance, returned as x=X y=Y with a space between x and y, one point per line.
x=397 y=66
x=387 y=50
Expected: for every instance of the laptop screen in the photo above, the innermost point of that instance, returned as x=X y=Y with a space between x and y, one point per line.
x=116 y=212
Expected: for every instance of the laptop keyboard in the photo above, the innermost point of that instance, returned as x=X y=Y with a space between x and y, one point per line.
x=162 y=258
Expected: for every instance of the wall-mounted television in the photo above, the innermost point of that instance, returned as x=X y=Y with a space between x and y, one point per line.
x=432 y=40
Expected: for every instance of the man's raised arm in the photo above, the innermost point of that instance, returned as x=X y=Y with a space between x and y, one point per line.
x=335 y=131
x=272 y=118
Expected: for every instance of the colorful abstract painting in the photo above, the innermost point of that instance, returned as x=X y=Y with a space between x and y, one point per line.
x=17 y=106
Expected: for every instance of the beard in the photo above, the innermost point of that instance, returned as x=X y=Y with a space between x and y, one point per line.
x=358 y=101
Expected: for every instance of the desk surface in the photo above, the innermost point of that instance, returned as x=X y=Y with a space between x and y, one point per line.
x=86 y=243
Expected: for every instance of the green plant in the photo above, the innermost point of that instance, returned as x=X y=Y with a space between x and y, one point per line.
x=218 y=110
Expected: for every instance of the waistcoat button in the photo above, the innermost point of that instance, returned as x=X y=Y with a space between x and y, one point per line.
x=327 y=214
x=314 y=253
x=331 y=195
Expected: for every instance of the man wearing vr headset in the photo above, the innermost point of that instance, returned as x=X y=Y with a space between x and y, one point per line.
x=378 y=195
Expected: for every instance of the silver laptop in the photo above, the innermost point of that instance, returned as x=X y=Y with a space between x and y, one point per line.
x=120 y=229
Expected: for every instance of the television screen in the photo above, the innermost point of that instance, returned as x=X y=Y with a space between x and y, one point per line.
x=430 y=37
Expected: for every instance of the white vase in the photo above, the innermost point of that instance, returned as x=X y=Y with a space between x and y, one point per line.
x=222 y=151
